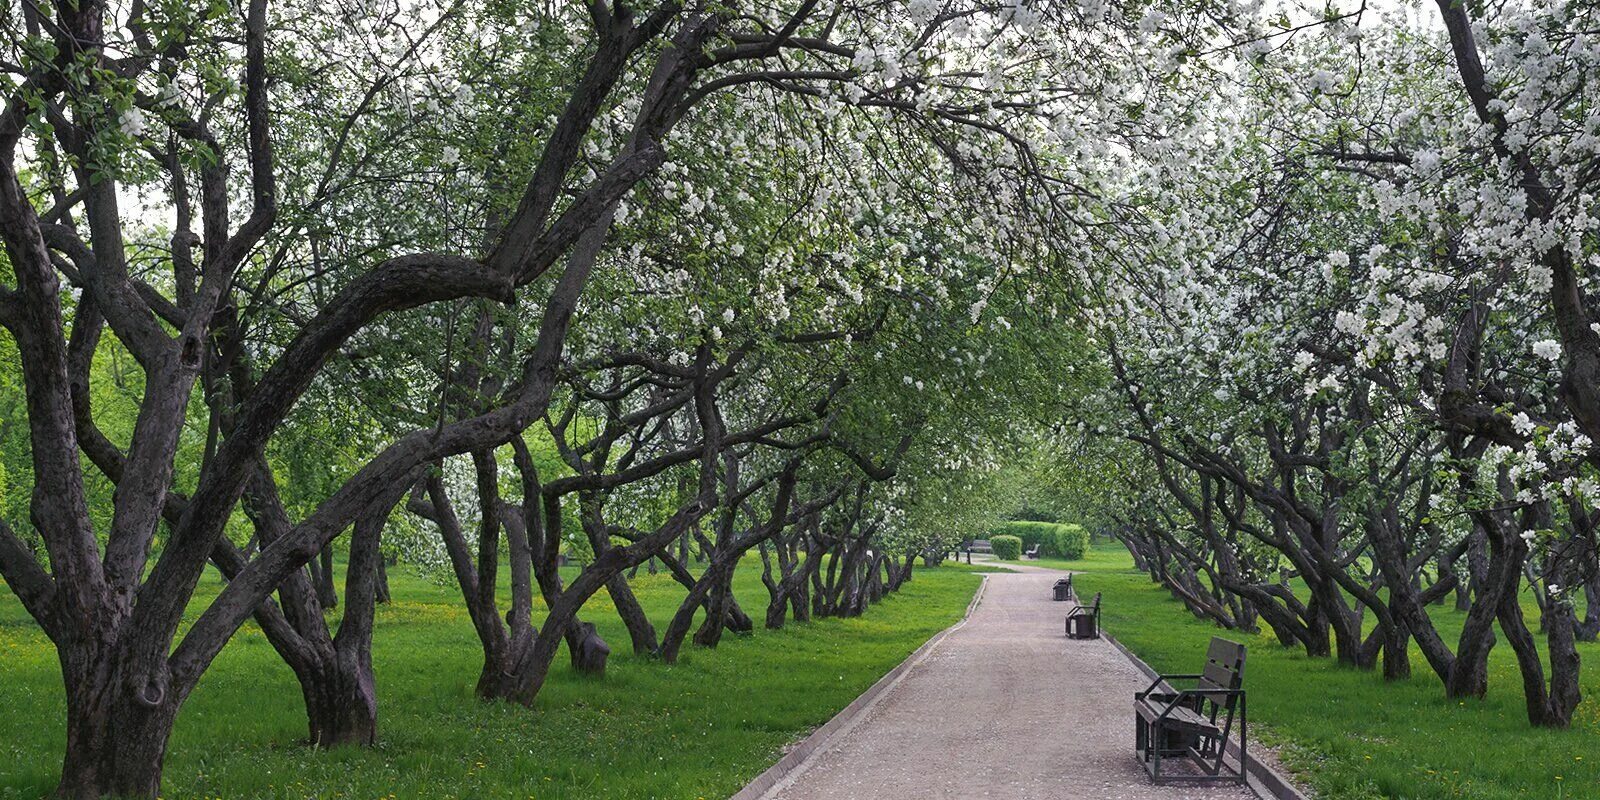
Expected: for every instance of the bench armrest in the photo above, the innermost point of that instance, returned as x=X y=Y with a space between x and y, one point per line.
x=1148 y=689
x=1175 y=701
x=1160 y=679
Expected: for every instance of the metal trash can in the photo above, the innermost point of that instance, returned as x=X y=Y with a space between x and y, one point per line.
x=1063 y=589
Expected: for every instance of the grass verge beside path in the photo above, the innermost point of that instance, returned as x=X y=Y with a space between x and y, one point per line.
x=1349 y=734
x=701 y=728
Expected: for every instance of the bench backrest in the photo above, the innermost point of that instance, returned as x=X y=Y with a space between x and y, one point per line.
x=1097 y=602
x=1224 y=670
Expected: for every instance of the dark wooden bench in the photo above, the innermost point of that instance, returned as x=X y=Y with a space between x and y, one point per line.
x=1063 y=588
x=1033 y=552
x=1194 y=724
x=1083 y=622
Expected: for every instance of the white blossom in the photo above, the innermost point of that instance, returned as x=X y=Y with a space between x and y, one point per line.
x=1547 y=349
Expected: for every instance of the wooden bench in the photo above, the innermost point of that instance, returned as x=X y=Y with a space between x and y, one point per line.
x=1063 y=588
x=1083 y=622
x=1194 y=724
x=1033 y=552
x=980 y=546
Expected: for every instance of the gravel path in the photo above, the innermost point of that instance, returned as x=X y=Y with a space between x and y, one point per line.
x=1004 y=707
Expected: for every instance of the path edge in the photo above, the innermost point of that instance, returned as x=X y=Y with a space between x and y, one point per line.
x=1262 y=778
x=797 y=758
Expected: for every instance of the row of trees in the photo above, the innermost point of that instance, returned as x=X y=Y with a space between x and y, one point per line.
x=488 y=281
x=1349 y=380
x=482 y=282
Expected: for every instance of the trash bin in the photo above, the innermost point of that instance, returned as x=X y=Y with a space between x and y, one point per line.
x=1064 y=589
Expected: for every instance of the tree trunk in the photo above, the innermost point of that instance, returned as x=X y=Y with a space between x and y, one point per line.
x=117 y=732
x=777 y=610
x=1318 y=643
x=734 y=618
x=1396 y=657
x=800 y=601
x=900 y=574
x=777 y=588
x=1565 y=691
x=1497 y=570
x=342 y=702
x=875 y=584
x=1406 y=608
x=327 y=595
x=818 y=591
x=589 y=651
x=1139 y=561
x=1448 y=566
x=678 y=628
x=383 y=595
x=1280 y=628
x=334 y=671
x=1469 y=674
x=1348 y=645
x=640 y=630
x=719 y=593
x=1589 y=629
x=1549 y=706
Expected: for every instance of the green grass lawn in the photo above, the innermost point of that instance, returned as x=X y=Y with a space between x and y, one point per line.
x=1349 y=734
x=701 y=728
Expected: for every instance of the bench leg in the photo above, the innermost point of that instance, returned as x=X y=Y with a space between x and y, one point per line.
x=1155 y=750
x=1244 y=739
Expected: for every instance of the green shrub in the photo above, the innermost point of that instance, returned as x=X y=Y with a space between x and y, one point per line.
x=1071 y=541
x=1055 y=540
x=1006 y=548
x=1031 y=533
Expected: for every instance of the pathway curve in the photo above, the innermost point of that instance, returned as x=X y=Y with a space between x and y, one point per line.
x=1003 y=707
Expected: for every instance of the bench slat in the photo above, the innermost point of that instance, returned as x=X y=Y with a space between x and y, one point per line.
x=1220 y=677
x=1226 y=653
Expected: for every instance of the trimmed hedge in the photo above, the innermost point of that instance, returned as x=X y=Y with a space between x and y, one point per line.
x=1031 y=533
x=1006 y=548
x=1072 y=542
x=1054 y=539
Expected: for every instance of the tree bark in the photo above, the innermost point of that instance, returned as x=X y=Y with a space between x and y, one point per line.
x=342 y=708
x=1589 y=629
x=383 y=595
x=327 y=594
x=118 y=727
x=1548 y=706
x=640 y=630
x=1501 y=570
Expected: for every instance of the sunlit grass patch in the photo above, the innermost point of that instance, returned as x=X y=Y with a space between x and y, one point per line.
x=702 y=727
x=1349 y=733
